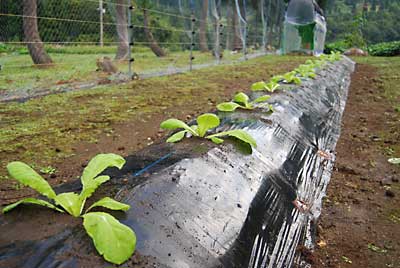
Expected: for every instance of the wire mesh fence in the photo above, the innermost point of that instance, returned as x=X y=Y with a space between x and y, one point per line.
x=59 y=43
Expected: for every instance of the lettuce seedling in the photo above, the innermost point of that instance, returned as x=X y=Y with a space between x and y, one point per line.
x=270 y=86
x=205 y=122
x=316 y=63
x=291 y=77
x=115 y=241
x=306 y=71
x=334 y=56
x=241 y=101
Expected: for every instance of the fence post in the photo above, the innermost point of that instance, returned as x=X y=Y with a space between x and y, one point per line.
x=245 y=42
x=101 y=9
x=130 y=39
x=193 y=20
x=219 y=43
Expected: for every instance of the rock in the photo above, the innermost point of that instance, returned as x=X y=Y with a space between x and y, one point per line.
x=389 y=193
x=386 y=181
x=375 y=138
x=355 y=52
x=347 y=169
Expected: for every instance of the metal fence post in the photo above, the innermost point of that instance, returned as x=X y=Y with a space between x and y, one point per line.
x=219 y=47
x=245 y=42
x=101 y=10
x=130 y=39
x=193 y=20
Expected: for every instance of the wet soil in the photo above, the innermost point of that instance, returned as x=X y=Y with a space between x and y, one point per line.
x=360 y=222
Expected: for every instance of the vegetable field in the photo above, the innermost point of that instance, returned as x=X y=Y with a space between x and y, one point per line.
x=199 y=134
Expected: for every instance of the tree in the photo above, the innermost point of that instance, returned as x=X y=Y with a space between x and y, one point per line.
x=122 y=30
x=237 y=41
x=203 y=27
x=31 y=32
x=149 y=36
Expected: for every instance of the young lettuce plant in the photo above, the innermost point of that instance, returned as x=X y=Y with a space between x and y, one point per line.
x=115 y=241
x=306 y=71
x=291 y=77
x=270 y=86
x=241 y=101
x=334 y=56
x=316 y=63
x=205 y=122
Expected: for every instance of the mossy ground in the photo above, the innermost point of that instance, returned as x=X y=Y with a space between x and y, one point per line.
x=78 y=64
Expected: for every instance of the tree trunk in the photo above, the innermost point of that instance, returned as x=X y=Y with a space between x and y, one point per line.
x=228 y=37
x=203 y=27
x=279 y=23
x=31 y=32
x=149 y=36
x=237 y=41
x=273 y=9
x=122 y=31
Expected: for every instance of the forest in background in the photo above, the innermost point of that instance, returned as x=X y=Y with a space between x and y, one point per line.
x=351 y=23
x=362 y=22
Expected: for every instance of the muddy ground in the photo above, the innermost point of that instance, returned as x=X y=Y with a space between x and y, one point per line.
x=360 y=222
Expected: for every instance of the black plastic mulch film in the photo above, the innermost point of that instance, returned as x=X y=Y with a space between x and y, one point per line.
x=224 y=208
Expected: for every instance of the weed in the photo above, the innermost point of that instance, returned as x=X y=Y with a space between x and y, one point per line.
x=48 y=170
x=374 y=248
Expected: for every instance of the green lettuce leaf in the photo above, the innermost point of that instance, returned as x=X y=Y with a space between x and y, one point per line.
x=237 y=133
x=115 y=241
x=258 y=86
x=109 y=203
x=242 y=98
x=71 y=202
x=216 y=140
x=177 y=136
x=91 y=186
x=98 y=164
x=33 y=201
x=228 y=106
x=27 y=176
x=206 y=122
x=173 y=124
x=262 y=99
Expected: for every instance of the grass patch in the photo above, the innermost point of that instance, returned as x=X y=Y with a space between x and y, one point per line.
x=78 y=64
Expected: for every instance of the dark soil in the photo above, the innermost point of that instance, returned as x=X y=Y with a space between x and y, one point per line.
x=360 y=222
